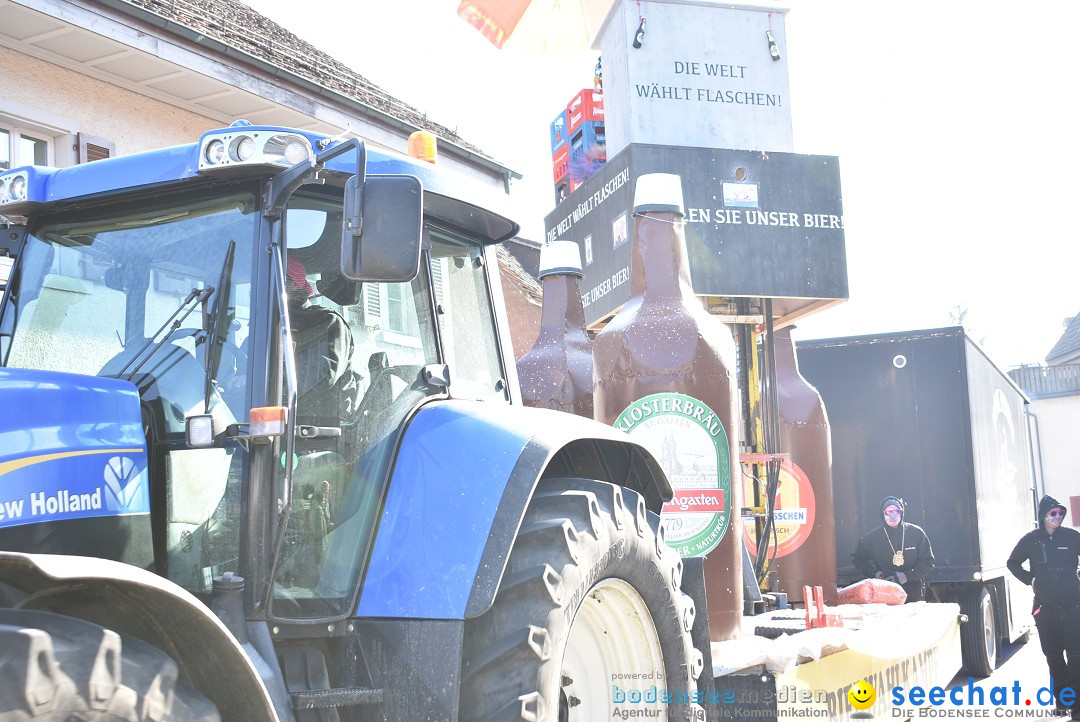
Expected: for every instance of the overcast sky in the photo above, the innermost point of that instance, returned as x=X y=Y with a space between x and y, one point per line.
x=955 y=124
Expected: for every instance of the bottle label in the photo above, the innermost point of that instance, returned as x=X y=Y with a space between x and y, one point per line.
x=690 y=443
x=793 y=512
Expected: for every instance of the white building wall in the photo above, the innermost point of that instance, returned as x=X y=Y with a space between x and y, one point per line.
x=83 y=104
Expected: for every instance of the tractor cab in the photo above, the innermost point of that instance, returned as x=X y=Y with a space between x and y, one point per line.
x=281 y=314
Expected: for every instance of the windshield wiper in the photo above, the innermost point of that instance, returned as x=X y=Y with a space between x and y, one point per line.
x=218 y=324
x=196 y=295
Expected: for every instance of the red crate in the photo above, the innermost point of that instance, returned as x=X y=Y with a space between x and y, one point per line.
x=587 y=105
x=560 y=162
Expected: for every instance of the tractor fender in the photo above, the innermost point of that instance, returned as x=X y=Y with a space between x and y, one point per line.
x=133 y=601
x=464 y=474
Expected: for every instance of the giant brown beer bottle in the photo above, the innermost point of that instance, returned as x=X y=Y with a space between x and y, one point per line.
x=665 y=374
x=806 y=529
x=557 y=372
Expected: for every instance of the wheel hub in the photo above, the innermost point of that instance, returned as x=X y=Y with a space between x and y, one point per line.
x=612 y=658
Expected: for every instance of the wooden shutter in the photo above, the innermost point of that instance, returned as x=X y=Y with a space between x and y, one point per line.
x=90 y=148
x=372 y=304
x=438 y=280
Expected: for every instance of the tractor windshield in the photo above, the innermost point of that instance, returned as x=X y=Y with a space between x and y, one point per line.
x=138 y=291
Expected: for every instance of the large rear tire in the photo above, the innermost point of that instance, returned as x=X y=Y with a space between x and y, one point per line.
x=979 y=634
x=56 y=667
x=590 y=609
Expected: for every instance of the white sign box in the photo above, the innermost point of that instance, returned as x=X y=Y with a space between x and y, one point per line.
x=704 y=75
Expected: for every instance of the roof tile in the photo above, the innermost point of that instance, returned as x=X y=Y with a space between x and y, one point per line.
x=244 y=29
x=1068 y=346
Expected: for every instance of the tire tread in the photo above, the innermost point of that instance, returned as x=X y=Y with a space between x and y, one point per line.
x=577 y=528
x=60 y=667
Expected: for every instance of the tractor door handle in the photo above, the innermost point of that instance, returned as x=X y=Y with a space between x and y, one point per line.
x=319 y=432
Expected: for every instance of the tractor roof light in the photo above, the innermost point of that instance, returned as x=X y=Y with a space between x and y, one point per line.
x=214 y=153
x=292 y=148
x=246 y=146
x=15 y=187
x=422 y=146
x=243 y=148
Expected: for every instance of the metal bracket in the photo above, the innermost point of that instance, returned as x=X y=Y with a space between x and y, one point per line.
x=281 y=187
x=437 y=375
x=12 y=238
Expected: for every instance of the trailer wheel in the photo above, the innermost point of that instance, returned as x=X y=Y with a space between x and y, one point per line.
x=56 y=667
x=979 y=635
x=589 y=614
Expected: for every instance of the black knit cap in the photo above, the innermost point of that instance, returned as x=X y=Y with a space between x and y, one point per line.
x=892 y=500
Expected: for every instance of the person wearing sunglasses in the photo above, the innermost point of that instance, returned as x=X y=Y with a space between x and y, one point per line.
x=896 y=551
x=1052 y=553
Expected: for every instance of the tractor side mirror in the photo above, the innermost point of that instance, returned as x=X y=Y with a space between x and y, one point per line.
x=381 y=231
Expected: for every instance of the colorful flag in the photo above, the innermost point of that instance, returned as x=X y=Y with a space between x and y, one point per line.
x=495 y=19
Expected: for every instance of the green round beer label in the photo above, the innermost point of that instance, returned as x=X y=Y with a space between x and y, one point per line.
x=691 y=444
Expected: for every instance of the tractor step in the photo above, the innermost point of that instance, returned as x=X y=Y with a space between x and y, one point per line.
x=340 y=697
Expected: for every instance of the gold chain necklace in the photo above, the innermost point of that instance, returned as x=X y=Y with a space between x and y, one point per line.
x=897 y=556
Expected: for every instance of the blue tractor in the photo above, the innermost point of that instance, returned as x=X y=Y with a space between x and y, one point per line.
x=261 y=457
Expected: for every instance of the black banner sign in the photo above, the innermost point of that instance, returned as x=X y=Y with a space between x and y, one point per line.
x=757 y=224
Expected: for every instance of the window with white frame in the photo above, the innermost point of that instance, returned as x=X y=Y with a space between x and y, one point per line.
x=32 y=136
x=400 y=308
x=19 y=146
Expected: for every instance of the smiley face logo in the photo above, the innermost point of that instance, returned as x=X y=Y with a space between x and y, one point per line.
x=861 y=695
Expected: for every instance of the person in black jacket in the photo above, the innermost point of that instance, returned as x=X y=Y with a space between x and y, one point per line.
x=1053 y=555
x=322 y=339
x=897 y=551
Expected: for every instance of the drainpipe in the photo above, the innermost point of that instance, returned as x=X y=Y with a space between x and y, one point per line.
x=1035 y=444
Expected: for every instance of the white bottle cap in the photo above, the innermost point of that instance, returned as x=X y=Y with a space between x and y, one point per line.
x=658 y=192
x=560 y=257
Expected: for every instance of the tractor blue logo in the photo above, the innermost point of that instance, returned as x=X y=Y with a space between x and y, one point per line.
x=124 y=492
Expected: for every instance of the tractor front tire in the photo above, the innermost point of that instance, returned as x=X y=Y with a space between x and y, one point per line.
x=54 y=667
x=589 y=620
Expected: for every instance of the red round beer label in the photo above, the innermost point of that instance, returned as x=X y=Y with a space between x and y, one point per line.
x=793 y=515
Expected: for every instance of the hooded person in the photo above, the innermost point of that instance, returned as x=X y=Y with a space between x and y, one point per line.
x=1052 y=553
x=897 y=551
x=322 y=343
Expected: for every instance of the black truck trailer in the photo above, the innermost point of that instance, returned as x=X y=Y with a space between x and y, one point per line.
x=927 y=416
